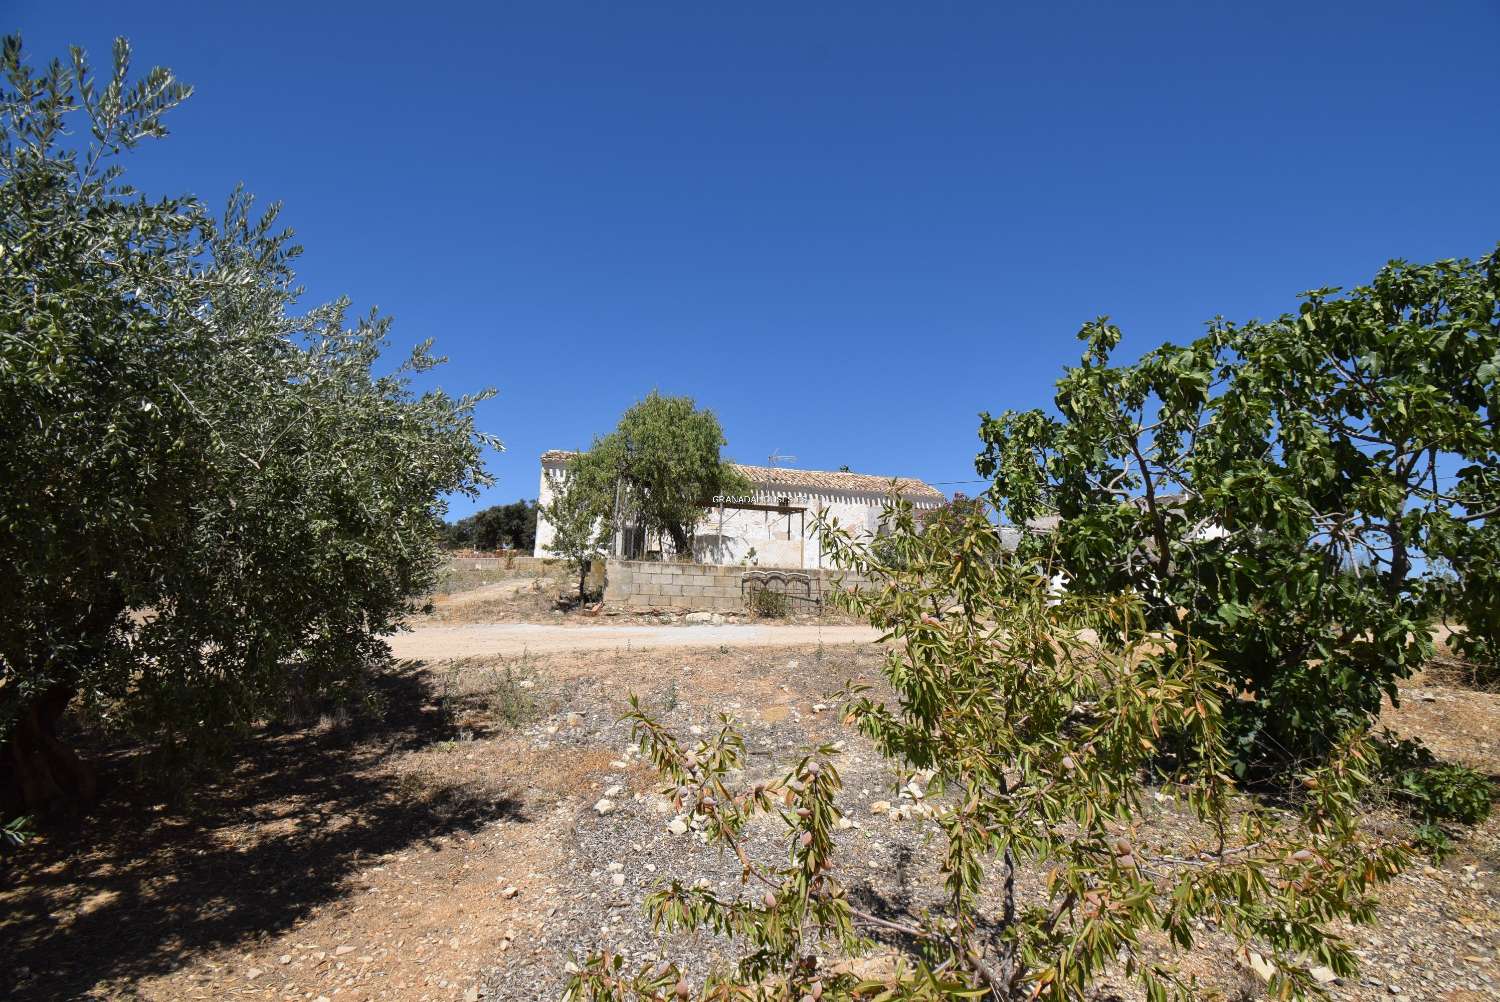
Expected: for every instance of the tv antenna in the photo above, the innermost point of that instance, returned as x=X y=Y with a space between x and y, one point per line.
x=776 y=458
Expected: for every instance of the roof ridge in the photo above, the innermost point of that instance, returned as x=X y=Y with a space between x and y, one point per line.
x=849 y=480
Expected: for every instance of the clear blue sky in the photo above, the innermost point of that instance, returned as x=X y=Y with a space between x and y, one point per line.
x=847 y=228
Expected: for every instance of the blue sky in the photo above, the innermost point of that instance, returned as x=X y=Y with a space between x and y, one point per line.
x=846 y=228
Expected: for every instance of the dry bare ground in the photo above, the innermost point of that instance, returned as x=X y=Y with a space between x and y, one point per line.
x=450 y=847
x=435 y=643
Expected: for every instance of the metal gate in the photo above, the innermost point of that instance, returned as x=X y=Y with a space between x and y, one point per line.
x=779 y=593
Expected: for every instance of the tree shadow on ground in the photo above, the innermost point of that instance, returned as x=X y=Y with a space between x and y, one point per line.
x=899 y=906
x=137 y=887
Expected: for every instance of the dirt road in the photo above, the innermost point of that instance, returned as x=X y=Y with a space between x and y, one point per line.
x=437 y=643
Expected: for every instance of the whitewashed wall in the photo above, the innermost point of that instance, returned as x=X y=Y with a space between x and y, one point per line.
x=727 y=535
x=544 y=493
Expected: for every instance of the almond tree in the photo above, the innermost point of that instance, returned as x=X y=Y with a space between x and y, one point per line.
x=579 y=523
x=1047 y=729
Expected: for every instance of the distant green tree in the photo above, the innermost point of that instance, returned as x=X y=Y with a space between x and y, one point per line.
x=518 y=525
x=507 y=526
x=210 y=500
x=488 y=529
x=458 y=535
x=664 y=459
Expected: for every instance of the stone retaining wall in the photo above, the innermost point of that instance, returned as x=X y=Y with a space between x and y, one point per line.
x=650 y=584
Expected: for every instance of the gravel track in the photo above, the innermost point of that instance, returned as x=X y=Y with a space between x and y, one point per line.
x=434 y=643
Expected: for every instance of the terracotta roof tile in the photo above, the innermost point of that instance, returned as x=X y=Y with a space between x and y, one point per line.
x=829 y=480
x=837 y=480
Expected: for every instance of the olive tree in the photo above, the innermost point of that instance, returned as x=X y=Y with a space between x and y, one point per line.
x=1050 y=731
x=211 y=500
x=663 y=464
x=1291 y=492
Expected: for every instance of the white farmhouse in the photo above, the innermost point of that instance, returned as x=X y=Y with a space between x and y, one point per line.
x=773 y=526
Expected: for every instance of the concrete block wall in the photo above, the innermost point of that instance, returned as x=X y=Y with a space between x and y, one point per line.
x=649 y=584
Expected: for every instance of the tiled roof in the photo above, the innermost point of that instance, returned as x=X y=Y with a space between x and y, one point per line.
x=840 y=482
x=827 y=480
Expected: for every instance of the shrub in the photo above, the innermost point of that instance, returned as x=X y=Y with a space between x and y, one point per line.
x=770 y=604
x=1037 y=738
x=1437 y=793
x=507 y=698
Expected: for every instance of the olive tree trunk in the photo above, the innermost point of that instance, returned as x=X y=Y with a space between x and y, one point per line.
x=40 y=772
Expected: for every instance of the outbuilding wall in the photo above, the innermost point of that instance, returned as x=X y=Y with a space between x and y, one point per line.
x=651 y=584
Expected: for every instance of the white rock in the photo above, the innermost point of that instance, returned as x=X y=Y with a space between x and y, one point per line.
x=604 y=806
x=614 y=867
x=618 y=880
x=510 y=892
x=1260 y=965
x=614 y=791
x=678 y=826
x=880 y=807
